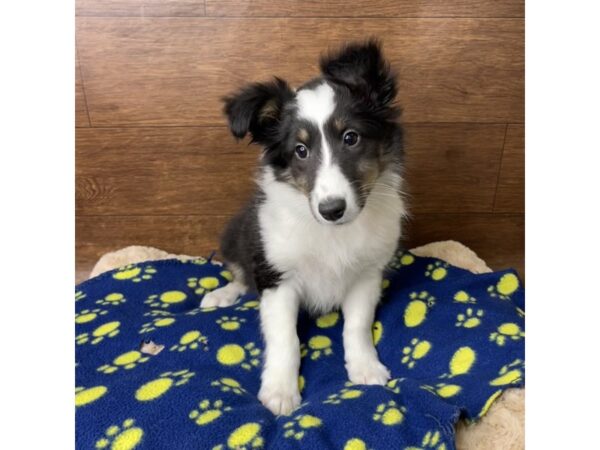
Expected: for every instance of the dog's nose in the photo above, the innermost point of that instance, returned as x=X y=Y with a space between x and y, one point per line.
x=332 y=209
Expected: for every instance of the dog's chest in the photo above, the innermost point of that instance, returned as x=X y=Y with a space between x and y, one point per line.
x=324 y=261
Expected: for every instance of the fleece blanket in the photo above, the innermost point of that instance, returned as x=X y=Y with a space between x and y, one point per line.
x=452 y=340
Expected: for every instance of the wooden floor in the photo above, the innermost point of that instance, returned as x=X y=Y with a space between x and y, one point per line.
x=155 y=164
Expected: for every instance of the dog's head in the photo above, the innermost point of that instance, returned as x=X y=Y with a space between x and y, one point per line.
x=333 y=137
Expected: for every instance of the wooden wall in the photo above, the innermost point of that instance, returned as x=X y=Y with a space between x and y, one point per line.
x=155 y=164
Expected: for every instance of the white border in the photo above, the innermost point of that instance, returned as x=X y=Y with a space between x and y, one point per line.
x=37 y=224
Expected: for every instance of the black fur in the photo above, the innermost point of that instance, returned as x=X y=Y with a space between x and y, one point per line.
x=364 y=71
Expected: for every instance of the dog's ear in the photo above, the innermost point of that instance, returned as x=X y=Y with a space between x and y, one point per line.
x=257 y=109
x=362 y=68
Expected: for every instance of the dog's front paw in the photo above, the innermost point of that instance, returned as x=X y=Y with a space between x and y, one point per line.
x=278 y=399
x=225 y=296
x=368 y=372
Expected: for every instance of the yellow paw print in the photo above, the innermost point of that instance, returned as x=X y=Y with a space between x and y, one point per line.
x=489 y=402
x=79 y=295
x=346 y=393
x=506 y=286
x=506 y=332
x=417 y=350
x=159 y=322
x=464 y=297
x=165 y=299
x=404 y=259
x=297 y=427
x=202 y=285
x=509 y=374
x=158 y=387
x=245 y=437
x=134 y=273
x=208 y=412
x=328 y=320
x=389 y=413
x=431 y=440
x=355 y=444
x=127 y=360
x=158 y=313
x=199 y=261
x=190 y=341
x=124 y=437
x=246 y=357
x=317 y=346
x=229 y=385
x=443 y=390
x=470 y=319
x=227 y=275
x=196 y=311
x=252 y=304
x=84 y=396
x=437 y=271
x=416 y=311
x=112 y=299
x=377 y=331
x=230 y=323
x=87 y=315
x=107 y=330
x=394 y=385
x=461 y=362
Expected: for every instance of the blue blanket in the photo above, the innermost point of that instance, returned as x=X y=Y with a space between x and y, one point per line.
x=452 y=340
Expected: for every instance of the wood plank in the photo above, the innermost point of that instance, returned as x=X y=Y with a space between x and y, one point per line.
x=452 y=167
x=139 y=8
x=511 y=184
x=82 y=118
x=162 y=171
x=366 y=8
x=498 y=239
x=192 y=170
x=173 y=71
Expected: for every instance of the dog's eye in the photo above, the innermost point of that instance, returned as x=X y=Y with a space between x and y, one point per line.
x=350 y=138
x=301 y=151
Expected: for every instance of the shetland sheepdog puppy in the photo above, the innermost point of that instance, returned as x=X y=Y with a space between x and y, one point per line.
x=326 y=216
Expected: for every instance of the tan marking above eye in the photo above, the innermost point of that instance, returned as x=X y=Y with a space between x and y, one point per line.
x=303 y=135
x=339 y=125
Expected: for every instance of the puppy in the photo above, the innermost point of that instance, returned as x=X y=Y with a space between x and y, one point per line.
x=326 y=216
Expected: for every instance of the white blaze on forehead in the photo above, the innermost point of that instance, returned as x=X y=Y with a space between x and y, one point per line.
x=316 y=105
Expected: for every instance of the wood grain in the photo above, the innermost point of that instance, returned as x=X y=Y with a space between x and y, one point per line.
x=141 y=8
x=498 y=239
x=173 y=71
x=81 y=114
x=192 y=170
x=452 y=167
x=366 y=8
x=511 y=183
x=161 y=171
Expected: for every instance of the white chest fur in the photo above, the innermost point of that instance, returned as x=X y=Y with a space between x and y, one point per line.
x=323 y=261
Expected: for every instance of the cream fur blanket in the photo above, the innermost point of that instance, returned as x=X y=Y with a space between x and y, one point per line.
x=503 y=428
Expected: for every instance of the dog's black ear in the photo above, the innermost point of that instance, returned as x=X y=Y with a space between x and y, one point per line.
x=257 y=109
x=362 y=68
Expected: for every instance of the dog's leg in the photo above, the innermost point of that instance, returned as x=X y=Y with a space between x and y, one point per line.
x=279 y=315
x=362 y=362
x=228 y=294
